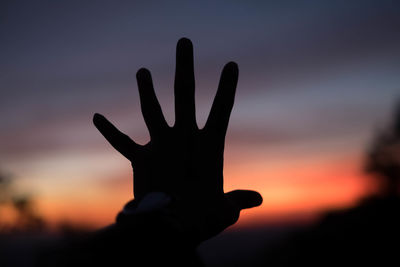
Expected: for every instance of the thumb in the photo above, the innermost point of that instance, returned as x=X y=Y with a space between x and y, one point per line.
x=244 y=199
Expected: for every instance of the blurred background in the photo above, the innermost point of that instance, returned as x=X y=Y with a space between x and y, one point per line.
x=318 y=87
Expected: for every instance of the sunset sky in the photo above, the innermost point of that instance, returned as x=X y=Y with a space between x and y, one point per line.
x=317 y=79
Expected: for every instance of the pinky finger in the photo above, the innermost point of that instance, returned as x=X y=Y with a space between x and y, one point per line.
x=120 y=141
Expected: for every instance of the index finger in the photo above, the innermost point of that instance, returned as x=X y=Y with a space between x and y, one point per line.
x=223 y=102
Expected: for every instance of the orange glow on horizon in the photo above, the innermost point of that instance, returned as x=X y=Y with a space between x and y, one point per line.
x=291 y=191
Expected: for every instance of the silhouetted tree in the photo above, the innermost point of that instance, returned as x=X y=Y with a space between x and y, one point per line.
x=27 y=218
x=383 y=159
x=4 y=186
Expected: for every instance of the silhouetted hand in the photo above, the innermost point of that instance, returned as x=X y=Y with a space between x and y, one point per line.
x=183 y=161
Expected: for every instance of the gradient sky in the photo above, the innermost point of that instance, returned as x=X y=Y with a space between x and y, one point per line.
x=317 y=78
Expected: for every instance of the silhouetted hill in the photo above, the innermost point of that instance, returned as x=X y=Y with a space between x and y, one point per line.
x=366 y=234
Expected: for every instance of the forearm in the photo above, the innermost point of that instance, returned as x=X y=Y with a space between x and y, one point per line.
x=147 y=239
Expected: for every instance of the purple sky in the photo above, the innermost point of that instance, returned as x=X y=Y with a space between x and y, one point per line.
x=310 y=72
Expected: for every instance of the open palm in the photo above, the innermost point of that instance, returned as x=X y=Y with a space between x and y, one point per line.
x=182 y=161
